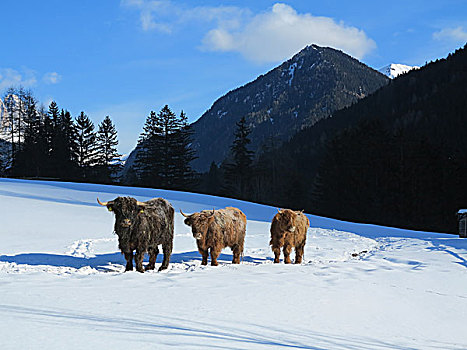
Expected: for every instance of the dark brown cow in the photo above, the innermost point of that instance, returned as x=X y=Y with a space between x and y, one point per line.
x=142 y=226
x=217 y=229
x=288 y=229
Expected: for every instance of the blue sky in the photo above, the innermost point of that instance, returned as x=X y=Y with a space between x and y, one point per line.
x=125 y=58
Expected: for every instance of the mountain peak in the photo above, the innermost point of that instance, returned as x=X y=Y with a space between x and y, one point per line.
x=395 y=69
x=296 y=94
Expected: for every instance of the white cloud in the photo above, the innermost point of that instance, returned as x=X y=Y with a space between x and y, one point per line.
x=457 y=34
x=11 y=77
x=266 y=37
x=281 y=32
x=52 y=78
x=164 y=15
x=148 y=9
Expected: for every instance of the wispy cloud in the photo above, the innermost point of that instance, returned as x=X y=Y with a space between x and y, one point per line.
x=164 y=15
x=51 y=78
x=265 y=37
x=281 y=32
x=12 y=77
x=457 y=34
x=150 y=13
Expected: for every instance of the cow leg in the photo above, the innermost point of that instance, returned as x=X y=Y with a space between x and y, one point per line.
x=214 y=255
x=277 y=254
x=299 y=254
x=167 y=249
x=139 y=256
x=287 y=249
x=153 y=252
x=129 y=261
x=237 y=251
x=204 y=254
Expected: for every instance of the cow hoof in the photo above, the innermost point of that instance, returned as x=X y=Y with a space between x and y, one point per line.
x=149 y=267
x=162 y=268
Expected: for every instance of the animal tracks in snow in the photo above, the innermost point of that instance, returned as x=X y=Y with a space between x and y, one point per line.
x=94 y=256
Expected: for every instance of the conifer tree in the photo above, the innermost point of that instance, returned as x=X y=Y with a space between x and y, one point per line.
x=183 y=154
x=28 y=158
x=149 y=143
x=170 y=126
x=238 y=173
x=164 y=151
x=86 y=144
x=64 y=146
x=108 y=157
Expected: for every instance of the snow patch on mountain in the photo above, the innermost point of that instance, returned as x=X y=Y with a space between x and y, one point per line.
x=395 y=69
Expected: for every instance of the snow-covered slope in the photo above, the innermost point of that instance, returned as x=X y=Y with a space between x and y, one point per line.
x=394 y=69
x=361 y=286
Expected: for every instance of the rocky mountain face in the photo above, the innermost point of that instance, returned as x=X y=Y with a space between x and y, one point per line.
x=295 y=95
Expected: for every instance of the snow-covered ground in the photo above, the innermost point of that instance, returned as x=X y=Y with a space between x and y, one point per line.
x=62 y=284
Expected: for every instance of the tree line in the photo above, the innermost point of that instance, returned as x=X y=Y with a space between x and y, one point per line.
x=397 y=157
x=50 y=143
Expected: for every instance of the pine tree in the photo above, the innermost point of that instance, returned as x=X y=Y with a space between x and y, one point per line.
x=170 y=127
x=164 y=151
x=147 y=162
x=28 y=158
x=86 y=144
x=108 y=158
x=238 y=173
x=183 y=154
x=56 y=141
x=64 y=146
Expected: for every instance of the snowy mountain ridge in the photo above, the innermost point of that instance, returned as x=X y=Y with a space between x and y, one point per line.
x=395 y=69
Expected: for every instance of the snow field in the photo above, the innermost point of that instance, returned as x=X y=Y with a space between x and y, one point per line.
x=360 y=287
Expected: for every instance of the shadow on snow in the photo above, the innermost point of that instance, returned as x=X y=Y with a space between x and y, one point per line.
x=101 y=261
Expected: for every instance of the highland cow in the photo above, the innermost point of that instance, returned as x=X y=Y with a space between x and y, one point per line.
x=142 y=226
x=288 y=229
x=218 y=229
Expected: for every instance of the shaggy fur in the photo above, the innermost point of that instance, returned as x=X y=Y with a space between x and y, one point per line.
x=288 y=229
x=143 y=228
x=217 y=229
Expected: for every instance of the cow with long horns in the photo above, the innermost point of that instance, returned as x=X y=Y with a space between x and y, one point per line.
x=288 y=230
x=143 y=226
x=218 y=229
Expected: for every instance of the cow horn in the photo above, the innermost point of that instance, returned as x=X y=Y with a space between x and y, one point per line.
x=279 y=210
x=184 y=214
x=102 y=203
x=140 y=203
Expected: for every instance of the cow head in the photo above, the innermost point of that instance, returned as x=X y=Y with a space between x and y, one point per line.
x=126 y=210
x=199 y=222
x=286 y=219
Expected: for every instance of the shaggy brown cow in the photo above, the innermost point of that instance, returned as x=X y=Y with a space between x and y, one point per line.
x=217 y=229
x=288 y=229
x=142 y=226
